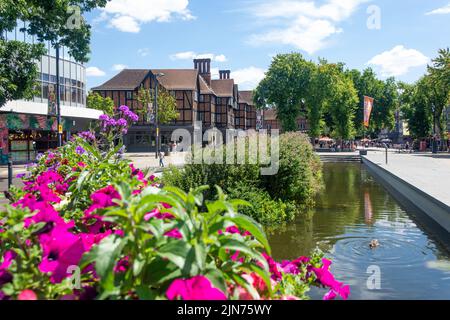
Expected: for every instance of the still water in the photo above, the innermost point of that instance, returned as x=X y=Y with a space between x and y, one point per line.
x=352 y=210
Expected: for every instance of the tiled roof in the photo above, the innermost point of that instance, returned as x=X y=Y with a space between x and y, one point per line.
x=246 y=97
x=127 y=79
x=204 y=87
x=178 y=79
x=223 y=88
x=270 y=114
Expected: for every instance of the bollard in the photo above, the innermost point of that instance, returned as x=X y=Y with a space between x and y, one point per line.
x=386 y=155
x=10 y=173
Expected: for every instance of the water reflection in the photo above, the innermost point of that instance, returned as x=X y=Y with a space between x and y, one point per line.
x=352 y=210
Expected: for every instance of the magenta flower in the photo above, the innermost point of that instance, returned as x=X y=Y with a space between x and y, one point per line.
x=51 y=217
x=326 y=278
x=61 y=249
x=175 y=234
x=289 y=267
x=122 y=265
x=103 y=198
x=155 y=213
x=8 y=258
x=196 y=288
x=27 y=295
x=273 y=267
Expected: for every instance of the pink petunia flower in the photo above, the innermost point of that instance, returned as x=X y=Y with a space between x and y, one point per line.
x=175 y=234
x=103 y=198
x=27 y=295
x=61 y=249
x=196 y=288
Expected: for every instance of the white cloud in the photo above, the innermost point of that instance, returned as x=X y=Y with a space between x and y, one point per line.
x=94 y=72
x=129 y=15
x=190 y=55
x=220 y=58
x=119 y=67
x=398 y=61
x=248 y=78
x=443 y=10
x=304 y=25
x=125 y=24
x=144 y=52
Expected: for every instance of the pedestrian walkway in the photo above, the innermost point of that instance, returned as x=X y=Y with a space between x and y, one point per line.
x=427 y=172
x=149 y=161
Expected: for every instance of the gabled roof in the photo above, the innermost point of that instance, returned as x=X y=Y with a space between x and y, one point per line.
x=223 y=87
x=270 y=114
x=127 y=79
x=204 y=87
x=178 y=79
x=246 y=97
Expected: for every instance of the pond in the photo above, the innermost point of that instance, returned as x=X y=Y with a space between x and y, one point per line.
x=352 y=210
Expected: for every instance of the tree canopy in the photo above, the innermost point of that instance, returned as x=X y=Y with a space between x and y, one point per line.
x=59 y=22
x=424 y=102
x=167 y=105
x=96 y=101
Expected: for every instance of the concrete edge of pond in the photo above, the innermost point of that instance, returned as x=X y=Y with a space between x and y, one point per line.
x=435 y=213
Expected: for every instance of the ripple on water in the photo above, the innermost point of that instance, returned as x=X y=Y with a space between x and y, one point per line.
x=393 y=251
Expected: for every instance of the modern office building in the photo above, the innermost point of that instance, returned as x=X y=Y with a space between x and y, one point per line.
x=26 y=127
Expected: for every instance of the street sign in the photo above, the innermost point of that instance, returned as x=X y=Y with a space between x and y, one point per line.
x=60 y=129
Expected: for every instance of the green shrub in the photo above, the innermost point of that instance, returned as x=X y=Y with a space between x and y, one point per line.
x=300 y=175
x=276 y=198
x=264 y=209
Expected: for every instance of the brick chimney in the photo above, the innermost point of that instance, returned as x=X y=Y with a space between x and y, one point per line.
x=204 y=69
x=224 y=74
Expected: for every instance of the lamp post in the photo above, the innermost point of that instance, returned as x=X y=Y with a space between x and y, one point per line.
x=58 y=98
x=156 y=114
x=434 y=142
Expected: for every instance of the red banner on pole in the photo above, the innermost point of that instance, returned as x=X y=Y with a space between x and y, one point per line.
x=368 y=107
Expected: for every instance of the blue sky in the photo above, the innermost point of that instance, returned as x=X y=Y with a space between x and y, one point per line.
x=397 y=38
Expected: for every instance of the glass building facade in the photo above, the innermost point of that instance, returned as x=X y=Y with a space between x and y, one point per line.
x=24 y=135
x=72 y=73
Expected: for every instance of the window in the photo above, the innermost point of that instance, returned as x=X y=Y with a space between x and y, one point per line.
x=202 y=98
x=129 y=95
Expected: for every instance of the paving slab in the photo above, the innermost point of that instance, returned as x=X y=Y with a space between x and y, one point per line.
x=425 y=171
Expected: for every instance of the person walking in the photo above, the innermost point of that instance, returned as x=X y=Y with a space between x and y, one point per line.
x=161 y=159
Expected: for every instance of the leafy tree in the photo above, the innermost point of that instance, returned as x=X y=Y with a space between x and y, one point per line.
x=18 y=70
x=285 y=87
x=96 y=101
x=319 y=91
x=385 y=96
x=167 y=104
x=343 y=104
x=440 y=70
x=383 y=116
x=438 y=83
x=425 y=101
x=414 y=110
x=59 y=22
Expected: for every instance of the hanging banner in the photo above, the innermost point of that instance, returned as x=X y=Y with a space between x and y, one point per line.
x=368 y=107
x=51 y=101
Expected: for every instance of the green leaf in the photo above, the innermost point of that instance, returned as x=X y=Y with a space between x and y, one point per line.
x=160 y=272
x=217 y=279
x=145 y=293
x=106 y=255
x=250 y=225
x=181 y=254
